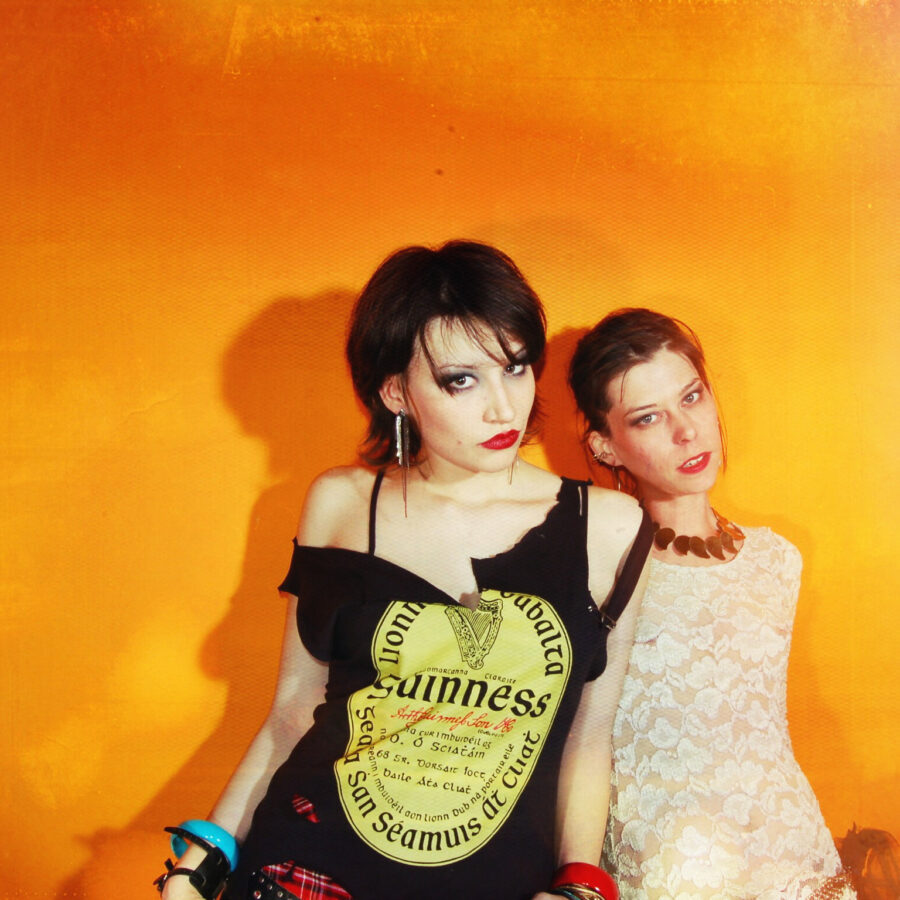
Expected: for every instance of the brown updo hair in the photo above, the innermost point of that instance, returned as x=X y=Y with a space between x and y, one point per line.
x=617 y=342
x=465 y=282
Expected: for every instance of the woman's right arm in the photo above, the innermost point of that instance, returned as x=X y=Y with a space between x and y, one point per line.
x=300 y=688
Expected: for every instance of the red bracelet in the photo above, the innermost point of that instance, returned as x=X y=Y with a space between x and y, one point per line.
x=590 y=876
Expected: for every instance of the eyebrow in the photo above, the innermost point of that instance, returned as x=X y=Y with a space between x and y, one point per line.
x=684 y=390
x=520 y=356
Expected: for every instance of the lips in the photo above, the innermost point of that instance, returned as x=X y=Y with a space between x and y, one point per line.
x=501 y=441
x=695 y=464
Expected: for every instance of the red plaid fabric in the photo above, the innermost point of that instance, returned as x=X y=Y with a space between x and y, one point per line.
x=303 y=883
x=303 y=806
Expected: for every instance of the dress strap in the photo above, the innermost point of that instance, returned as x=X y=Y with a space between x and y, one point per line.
x=373 y=505
x=631 y=571
x=583 y=502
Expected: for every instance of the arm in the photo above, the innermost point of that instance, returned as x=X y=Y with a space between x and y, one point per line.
x=300 y=688
x=583 y=800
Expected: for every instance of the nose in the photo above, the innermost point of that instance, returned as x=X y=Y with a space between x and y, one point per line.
x=683 y=430
x=499 y=404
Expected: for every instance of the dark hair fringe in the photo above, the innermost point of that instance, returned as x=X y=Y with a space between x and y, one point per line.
x=465 y=282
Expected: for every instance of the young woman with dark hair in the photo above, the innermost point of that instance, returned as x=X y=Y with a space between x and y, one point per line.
x=707 y=800
x=450 y=668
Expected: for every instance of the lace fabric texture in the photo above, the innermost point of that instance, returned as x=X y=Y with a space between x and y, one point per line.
x=707 y=800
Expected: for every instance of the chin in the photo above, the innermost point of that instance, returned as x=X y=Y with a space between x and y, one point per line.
x=697 y=485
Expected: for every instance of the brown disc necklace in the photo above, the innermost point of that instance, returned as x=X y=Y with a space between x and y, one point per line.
x=718 y=545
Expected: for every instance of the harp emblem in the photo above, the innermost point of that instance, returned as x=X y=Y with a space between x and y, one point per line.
x=476 y=629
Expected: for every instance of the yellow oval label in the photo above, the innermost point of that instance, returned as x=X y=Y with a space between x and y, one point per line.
x=444 y=741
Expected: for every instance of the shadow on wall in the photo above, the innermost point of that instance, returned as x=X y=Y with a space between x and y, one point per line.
x=285 y=379
x=873 y=858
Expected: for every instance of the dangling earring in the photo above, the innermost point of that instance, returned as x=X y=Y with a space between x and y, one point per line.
x=401 y=439
x=401 y=449
x=512 y=468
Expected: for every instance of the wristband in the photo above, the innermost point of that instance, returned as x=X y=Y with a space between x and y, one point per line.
x=574 y=875
x=209 y=878
x=200 y=830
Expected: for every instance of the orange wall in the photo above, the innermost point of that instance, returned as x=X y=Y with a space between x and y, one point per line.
x=192 y=192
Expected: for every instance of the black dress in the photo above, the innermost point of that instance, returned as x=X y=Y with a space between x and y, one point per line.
x=431 y=768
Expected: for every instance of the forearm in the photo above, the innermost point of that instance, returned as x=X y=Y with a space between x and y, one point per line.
x=301 y=684
x=234 y=808
x=583 y=805
x=583 y=801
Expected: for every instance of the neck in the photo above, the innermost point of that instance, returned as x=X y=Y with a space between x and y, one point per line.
x=438 y=477
x=686 y=514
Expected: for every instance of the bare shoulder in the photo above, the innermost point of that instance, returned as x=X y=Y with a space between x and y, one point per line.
x=613 y=519
x=536 y=482
x=336 y=507
x=613 y=523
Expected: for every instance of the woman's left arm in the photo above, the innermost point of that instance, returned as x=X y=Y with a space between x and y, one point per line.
x=583 y=799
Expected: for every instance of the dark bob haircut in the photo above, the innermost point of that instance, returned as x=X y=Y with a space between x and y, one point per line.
x=462 y=282
x=617 y=342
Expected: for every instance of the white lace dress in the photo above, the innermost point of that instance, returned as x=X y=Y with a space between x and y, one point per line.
x=708 y=802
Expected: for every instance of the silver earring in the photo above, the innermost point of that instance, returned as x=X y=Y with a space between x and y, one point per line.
x=512 y=468
x=604 y=460
x=401 y=449
x=401 y=439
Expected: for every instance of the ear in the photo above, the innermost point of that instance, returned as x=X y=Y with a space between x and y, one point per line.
x=602 y=449
x=392 y=394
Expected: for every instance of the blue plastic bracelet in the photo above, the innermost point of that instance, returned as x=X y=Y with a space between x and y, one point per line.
x=208 y=831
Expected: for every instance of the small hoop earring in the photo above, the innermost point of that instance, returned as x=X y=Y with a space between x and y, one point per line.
x=401 y=450
x=602 y=458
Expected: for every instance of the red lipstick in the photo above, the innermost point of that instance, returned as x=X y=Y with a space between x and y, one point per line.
x=501 y=441
x=695 y=464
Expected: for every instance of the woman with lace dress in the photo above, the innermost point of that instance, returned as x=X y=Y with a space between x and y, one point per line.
x=448 y=680
x=707 y=800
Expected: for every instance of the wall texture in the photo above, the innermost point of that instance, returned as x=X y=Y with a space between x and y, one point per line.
x=192 y=193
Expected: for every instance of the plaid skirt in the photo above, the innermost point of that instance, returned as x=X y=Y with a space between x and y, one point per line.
x=284 y=881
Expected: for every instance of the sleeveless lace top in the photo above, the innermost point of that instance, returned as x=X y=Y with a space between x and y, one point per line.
x=708 y=802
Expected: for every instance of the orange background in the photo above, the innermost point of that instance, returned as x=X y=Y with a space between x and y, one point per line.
x=191 y=194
